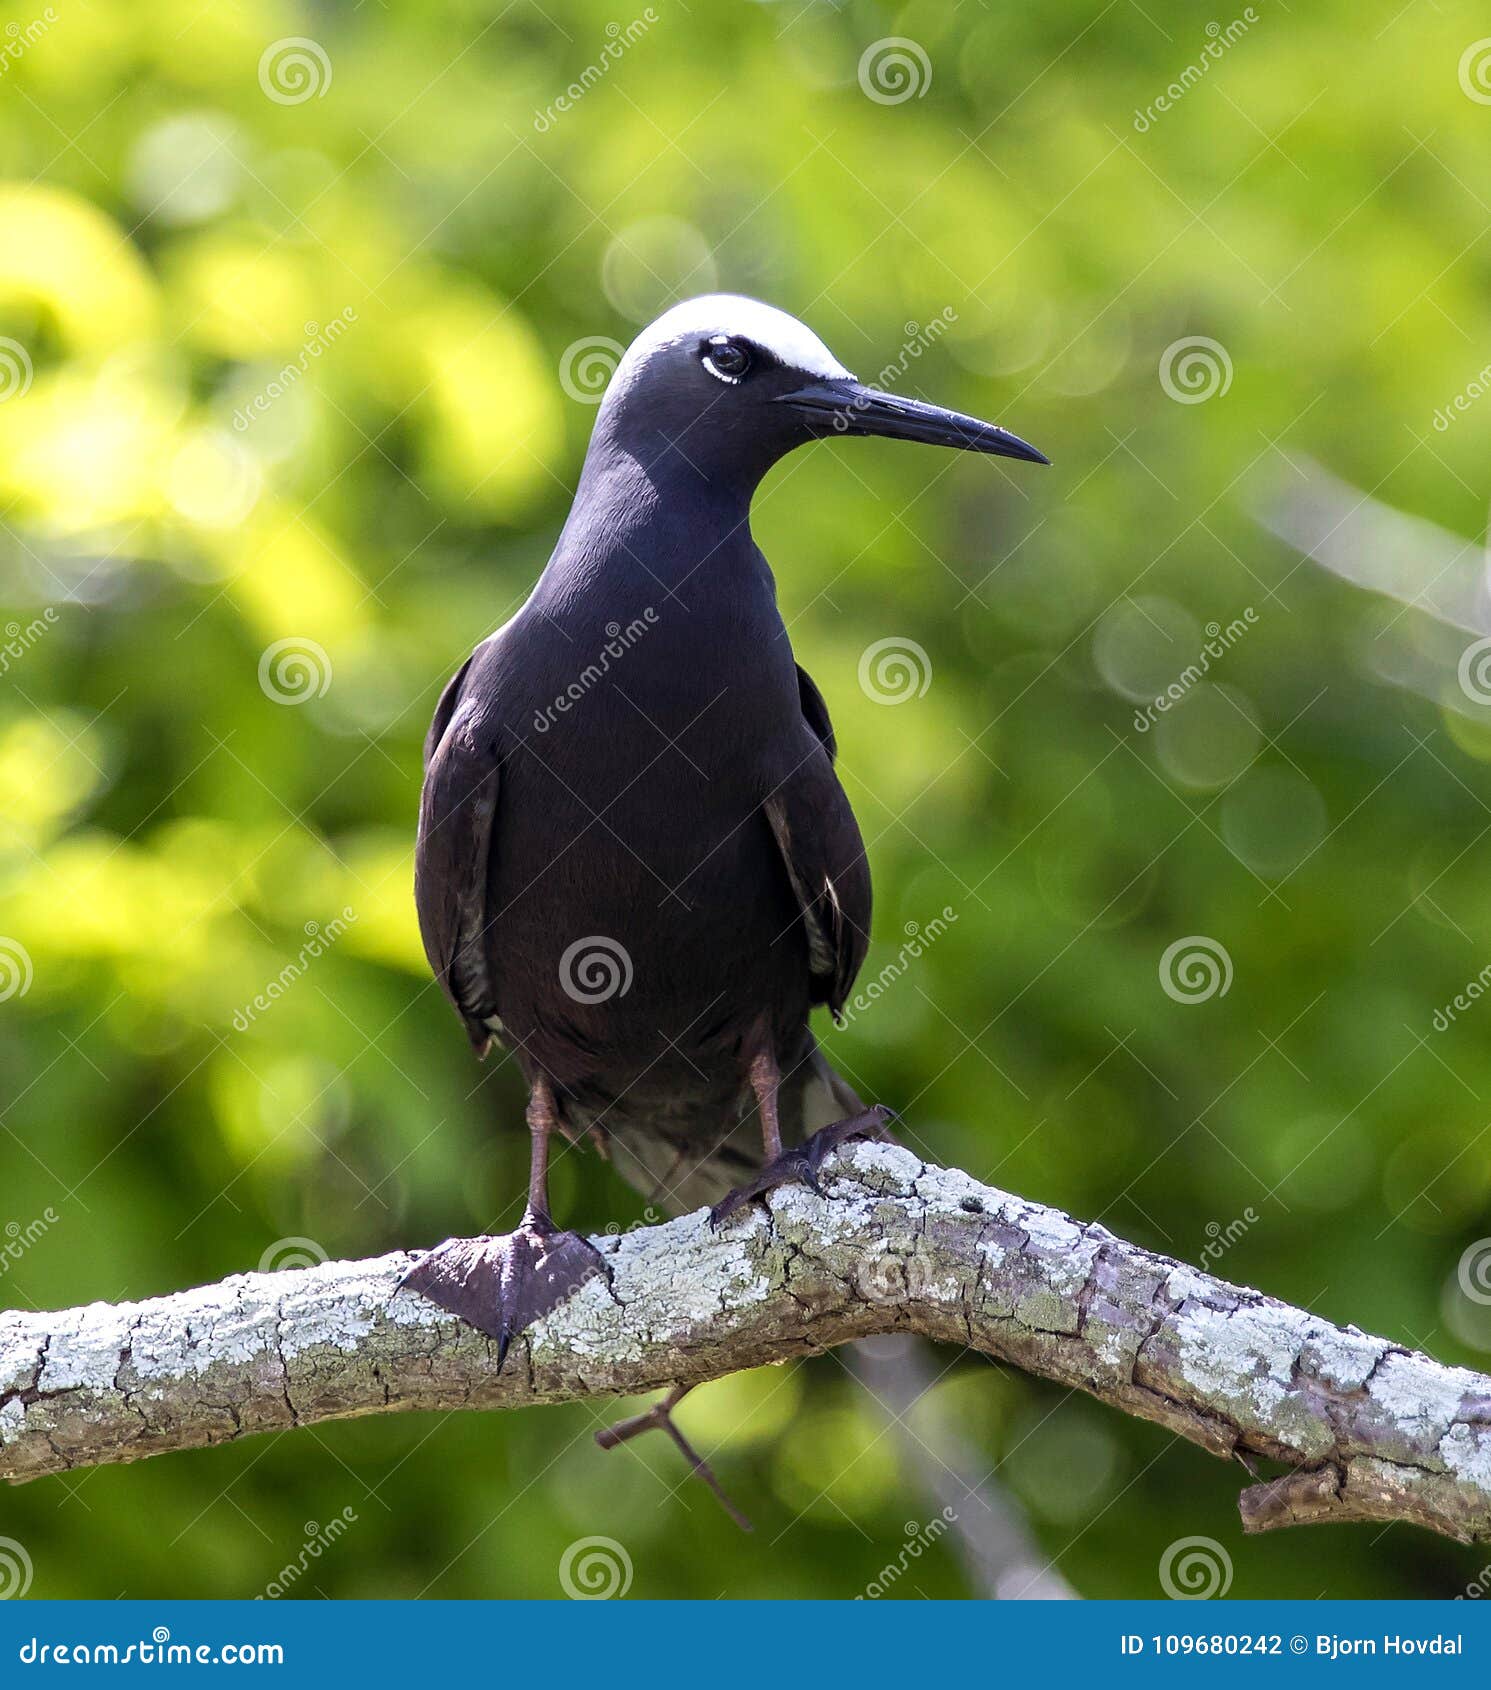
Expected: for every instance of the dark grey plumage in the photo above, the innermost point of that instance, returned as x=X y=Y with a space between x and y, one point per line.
x=631 y=786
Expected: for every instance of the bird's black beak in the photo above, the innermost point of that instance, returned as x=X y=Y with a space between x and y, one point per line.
x=847 y=406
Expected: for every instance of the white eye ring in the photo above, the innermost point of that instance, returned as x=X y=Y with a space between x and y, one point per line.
x=720 y=347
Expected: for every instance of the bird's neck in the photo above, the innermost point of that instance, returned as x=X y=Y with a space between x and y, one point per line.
x=664 y=522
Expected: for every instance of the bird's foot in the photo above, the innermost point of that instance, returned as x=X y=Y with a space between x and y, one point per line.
x=502 y=1285
x=660 y=1417
x=801 y=1164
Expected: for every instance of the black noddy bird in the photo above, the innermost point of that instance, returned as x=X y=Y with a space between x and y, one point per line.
x=636 y=868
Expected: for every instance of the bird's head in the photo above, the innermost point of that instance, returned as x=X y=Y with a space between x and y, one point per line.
x=727 y=385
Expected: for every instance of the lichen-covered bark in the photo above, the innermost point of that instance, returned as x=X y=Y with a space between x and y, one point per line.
x=1366 y=1429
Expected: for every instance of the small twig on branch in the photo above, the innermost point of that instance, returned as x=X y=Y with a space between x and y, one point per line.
x=1368 y=1430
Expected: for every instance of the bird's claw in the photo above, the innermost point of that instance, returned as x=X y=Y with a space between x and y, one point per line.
x=802 y=1164
x=502 y=1285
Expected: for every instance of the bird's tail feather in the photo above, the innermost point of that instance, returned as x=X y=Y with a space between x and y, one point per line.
x=691 y=1158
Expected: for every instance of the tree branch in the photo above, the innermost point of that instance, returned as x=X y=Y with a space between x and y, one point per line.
x=1368 y=1429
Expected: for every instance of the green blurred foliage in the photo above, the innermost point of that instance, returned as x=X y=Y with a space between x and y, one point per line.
x=395 y=266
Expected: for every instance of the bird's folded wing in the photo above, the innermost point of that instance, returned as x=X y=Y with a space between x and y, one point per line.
x=459 y=802
x=820 y=842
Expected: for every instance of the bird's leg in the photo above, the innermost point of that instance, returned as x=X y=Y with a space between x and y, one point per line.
x=801 y=1163
x=660 y=1418
x=502 y=1285
x=766 y=1083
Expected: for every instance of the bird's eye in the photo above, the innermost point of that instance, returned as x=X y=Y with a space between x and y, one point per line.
x=725 y=359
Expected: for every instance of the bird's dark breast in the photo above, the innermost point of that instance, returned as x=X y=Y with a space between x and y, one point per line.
x=641 y=919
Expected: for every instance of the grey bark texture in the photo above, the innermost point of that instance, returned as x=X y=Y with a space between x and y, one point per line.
x=1365 y=1429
